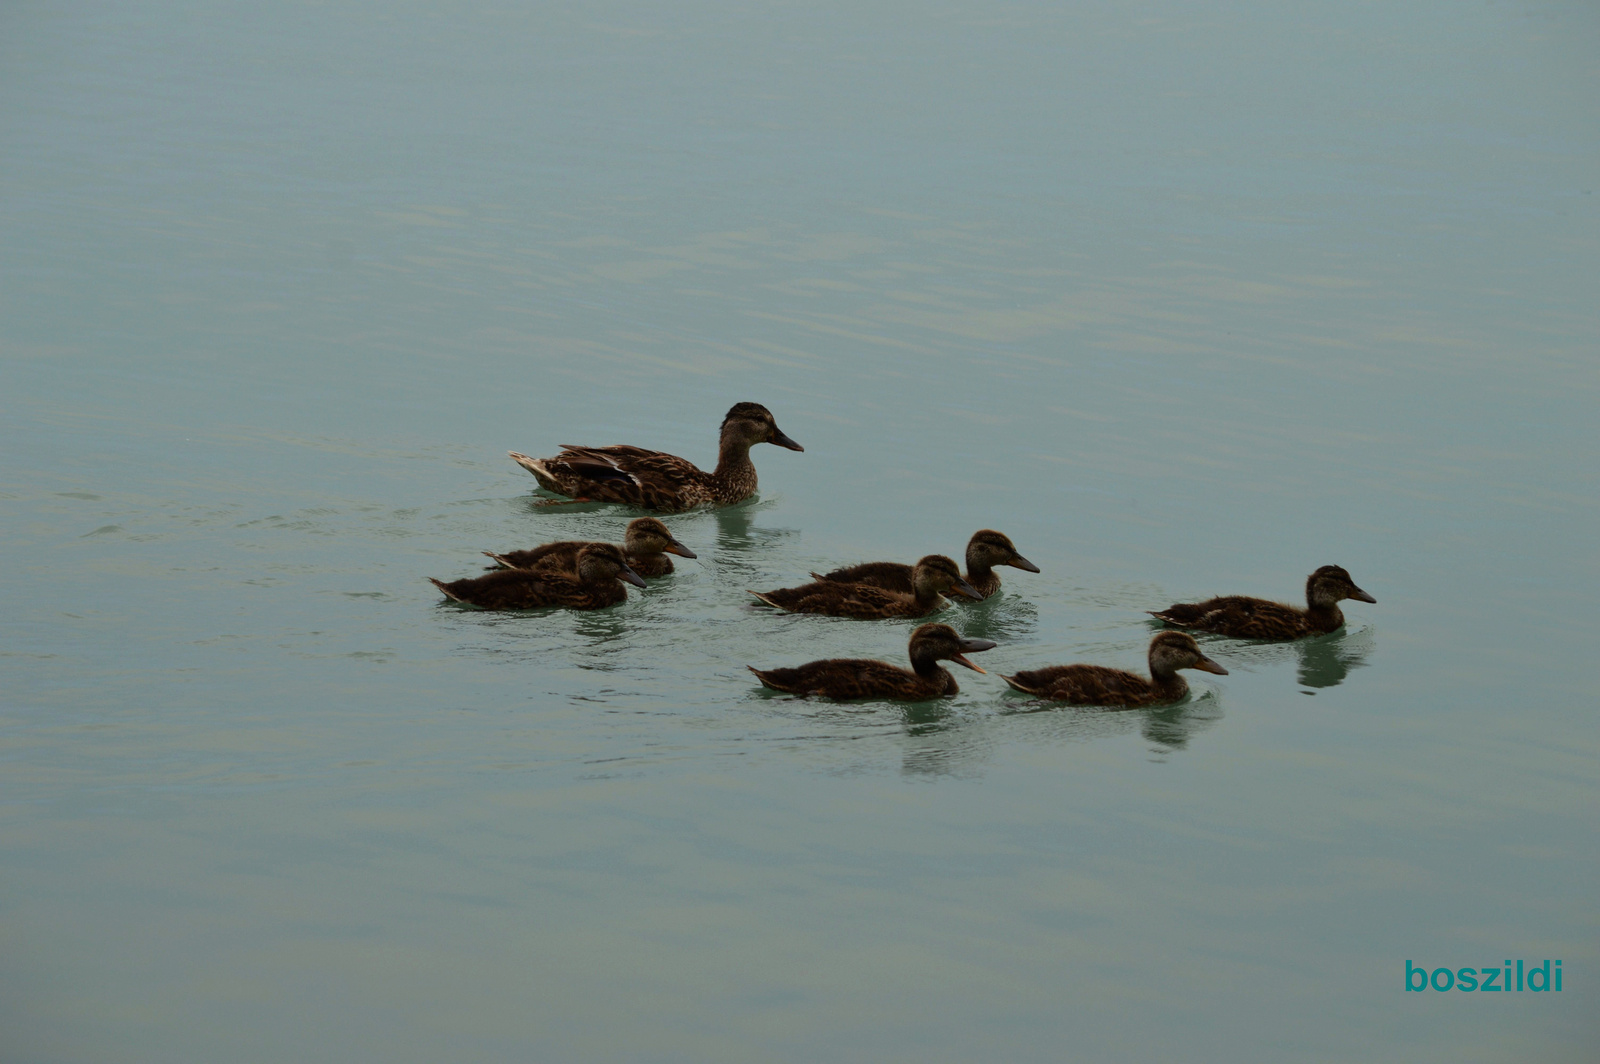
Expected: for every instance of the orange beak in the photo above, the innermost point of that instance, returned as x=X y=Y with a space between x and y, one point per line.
x=961 y=660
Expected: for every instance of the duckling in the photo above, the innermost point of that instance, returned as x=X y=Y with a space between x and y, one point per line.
x=930 y=578
x=1096 y=685
x=1253 y=618
x=985 y=550
x=646 y=545
x=652 y=480
x=596 y=584
x=845 y=678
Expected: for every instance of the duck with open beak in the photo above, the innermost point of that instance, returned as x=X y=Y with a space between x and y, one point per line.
x=849 y=678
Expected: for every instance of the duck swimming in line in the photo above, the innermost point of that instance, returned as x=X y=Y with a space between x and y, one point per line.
x=846 y=678
x=645 y=545
x=985 y=550
x=653 y=480
x=596 y=584
x=1096 y=685
x=930 y=578
x=1253 y=618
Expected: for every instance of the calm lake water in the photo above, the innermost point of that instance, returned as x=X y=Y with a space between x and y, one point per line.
x=1186 y=299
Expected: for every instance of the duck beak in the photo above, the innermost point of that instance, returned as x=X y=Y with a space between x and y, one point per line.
x=1207 y=665
x=1019 y=562
x=680 y=550
x=631 y=577
x=1361 y=596
x=966 y=590
x=972 y=646
x=783 y=441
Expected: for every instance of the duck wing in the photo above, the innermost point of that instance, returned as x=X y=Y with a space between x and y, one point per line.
x=1241 y=617
x=851 y=678
x=1084 y=685
x=652 y=480
x=842 y=600
x=561 y=555
x=892 y=576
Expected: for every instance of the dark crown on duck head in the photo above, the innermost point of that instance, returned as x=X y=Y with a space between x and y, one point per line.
x=990 y=538
x=748 y=412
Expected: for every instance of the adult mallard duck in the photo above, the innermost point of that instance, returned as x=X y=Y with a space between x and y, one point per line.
x=930 y=578
x=645 y=545
x=1253 y=618
x=845 y=678
x=652 y=480
x=1096 y=685
x=595 y=585
x=985 y=550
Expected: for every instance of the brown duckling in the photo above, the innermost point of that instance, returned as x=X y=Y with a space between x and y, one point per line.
x=1096 y=685
x=595 y=585
x=985 y=550
x=845 y=678
x=652 y=480
x=930 y=578
x=646 y=545
x=1253 y=618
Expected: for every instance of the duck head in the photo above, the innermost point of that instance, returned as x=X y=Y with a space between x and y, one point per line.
x=601 y=561
x=646 y=535
x=988 y=548
x=940 y=642
x=1330 y=585
x=752 y=423
x=939 y=574
x=1171 y=651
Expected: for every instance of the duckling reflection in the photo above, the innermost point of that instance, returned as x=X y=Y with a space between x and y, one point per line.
x=1171 y=727
x=1321 y=661
x=1166 y=727
x=1327 y=662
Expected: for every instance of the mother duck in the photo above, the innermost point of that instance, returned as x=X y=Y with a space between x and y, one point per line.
x=654 y=480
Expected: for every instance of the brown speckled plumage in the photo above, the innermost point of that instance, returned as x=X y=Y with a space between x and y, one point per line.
x=985 y=550
x=847 y=678
x=596 y=584
x=1096 y=685
x=653 y=480
x=645 y=545
x=931 y=577
x=1253 y=618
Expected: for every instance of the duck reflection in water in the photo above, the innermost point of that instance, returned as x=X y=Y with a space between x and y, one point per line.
x=742 y=548
x=1321 y=661
x=1327 y=661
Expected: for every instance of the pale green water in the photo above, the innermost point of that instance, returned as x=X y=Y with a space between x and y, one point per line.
x=1186 y=300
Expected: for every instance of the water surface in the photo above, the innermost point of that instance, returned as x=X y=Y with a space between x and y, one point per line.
x=1186 y=301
